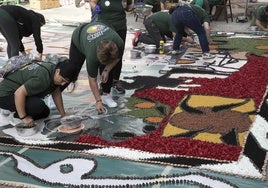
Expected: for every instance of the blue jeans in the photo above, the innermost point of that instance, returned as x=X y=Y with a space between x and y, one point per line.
x=183 y=17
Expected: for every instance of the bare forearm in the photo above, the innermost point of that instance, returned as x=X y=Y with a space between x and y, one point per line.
x=93 y=3
x=258 y=23
x=20 y=101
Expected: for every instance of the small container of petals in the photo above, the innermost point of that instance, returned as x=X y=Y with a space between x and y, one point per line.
x=25 y=131
x=135 y=54
x=150 y=49
x=72 y=121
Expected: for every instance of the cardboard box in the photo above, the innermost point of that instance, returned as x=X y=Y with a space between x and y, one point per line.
x=44 y=4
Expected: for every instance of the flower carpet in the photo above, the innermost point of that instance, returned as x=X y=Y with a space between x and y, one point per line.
x=200 y=124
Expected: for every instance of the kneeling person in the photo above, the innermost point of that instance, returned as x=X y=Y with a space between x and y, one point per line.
x=23 y=91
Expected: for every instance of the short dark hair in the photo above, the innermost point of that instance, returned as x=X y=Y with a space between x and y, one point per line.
x=67 y=70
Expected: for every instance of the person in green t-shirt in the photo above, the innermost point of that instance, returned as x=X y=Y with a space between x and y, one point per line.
x=260 y=17
x=113 y=14
x=102 y=48
x=158 y=26
x=22 y=91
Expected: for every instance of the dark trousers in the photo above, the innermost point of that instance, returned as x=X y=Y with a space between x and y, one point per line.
x=117 y=69
x=9 y=29
x=183 y=17
x=35 y=107
x=153 y=35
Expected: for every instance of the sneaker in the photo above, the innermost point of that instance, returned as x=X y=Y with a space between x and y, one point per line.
x=118 y=88
x=208 y=56
x=14 y=121
x=135 y=40
x=5 y=112
x=108 y=100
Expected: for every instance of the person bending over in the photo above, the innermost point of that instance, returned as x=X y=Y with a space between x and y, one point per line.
x=17 y=22
x=23 y=91
x=158 y=26
x=113 y=14
x=102 y=49
x=196 y=19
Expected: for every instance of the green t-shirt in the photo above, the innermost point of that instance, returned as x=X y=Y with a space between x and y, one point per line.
x=202 y=3
x=113 y=14
x=163 y=21
x=87 y=37
x=37 y=79
x=200 y=13
x=259 y=13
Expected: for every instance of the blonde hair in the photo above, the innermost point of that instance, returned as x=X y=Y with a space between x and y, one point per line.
x=107 y=51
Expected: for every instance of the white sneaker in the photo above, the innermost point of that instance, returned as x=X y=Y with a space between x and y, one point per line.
x=50 y=103
x=5 y=112
x=108 y=100
x=208 y=56
x=14 y=121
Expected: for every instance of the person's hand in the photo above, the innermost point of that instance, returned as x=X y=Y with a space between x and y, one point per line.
x=28 y=121
x=99 y=107
x=104 y=76
x=23 y=53
x=39 y=57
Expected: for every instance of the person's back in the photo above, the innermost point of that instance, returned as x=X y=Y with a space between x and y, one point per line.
x=163 y=20
x=202 y=3
x=41 y=72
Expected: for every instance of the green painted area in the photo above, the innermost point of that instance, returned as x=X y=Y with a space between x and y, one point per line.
x=159 y=110
x=242 y=44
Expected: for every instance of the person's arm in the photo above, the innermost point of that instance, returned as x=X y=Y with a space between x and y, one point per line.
x=93 y=3
x=130 y=5
x=20 y=103
x=207 y=30
x=57 y=98
x=162 y=5
x=107 y=69
x=93 y=84
x=258 y=23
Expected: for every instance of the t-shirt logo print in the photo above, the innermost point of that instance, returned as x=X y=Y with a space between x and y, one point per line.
x=95 y=31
